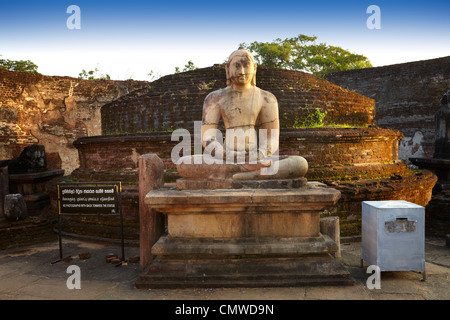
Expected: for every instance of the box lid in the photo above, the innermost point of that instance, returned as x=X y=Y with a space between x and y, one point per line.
x=392 y=204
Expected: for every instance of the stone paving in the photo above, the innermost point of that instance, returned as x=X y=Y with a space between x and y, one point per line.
x=27 y=273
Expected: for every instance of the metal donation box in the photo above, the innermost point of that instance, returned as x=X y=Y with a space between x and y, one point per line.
x=393 y=235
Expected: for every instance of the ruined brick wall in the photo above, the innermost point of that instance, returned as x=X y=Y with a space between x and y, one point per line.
x=54 y=112
x=359 y=162
x=330 y=152
x=407 y=97
x=176 y=101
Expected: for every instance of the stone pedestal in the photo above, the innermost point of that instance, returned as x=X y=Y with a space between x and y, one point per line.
x=32 y=187
x=245 y=237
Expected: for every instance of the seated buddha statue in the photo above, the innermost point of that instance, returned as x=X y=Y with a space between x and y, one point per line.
x=250 y=118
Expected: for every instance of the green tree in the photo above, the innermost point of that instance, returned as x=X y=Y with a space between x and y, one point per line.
x=187 y=67
x=303 y=53
x=18 y=65
x=93 y=75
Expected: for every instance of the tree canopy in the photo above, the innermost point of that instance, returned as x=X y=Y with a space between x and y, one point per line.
x=303 y=53
x=18 y=65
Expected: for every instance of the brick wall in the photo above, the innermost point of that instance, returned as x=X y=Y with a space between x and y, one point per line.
x=176 y=101
x=326 y=150
x=54 y=112
x=407 y=97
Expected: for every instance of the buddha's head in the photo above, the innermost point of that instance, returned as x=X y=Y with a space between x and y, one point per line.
x=241 y=68
x=445 y=101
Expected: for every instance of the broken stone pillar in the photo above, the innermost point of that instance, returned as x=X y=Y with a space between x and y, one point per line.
x=151 y=176
x=15 y=207
x=4 y=188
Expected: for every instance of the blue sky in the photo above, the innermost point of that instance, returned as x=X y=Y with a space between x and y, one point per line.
x=128 y=39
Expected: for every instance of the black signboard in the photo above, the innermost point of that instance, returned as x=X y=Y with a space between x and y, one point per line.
x=93 y=199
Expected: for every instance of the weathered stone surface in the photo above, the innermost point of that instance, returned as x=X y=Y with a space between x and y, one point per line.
x=231 y=225
x=190 y=184
x=245 y=272
x=243 y=213
x=33 y=188
x=53 y=111
x=151 y=176
x=15 y=207
x=407 y=97
x=190 y=248
x=244 y=237
x=317 y=197
x=330 y=227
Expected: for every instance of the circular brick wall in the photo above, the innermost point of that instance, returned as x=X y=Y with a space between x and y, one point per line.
x=106 y=158
x=176 y=101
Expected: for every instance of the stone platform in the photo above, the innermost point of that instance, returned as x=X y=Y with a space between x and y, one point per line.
x=32 y=187
x=245 y=237
x=244 y=272
x=189 y=184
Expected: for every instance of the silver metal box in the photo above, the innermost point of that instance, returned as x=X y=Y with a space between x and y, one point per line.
x=393 y=235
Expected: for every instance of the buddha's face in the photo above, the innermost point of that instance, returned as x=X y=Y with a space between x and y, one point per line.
x=242 y=70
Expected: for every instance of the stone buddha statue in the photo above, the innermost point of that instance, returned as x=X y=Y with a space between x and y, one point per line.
x=250 y=117
x=442 y=131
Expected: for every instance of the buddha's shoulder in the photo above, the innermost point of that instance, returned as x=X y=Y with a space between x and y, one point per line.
x=267 y=95
x=216 y=95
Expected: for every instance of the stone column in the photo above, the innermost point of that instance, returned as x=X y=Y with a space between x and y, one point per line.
x=151 y=176
x=4 y=189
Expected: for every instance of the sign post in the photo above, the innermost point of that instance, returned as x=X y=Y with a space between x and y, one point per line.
x=90 y=199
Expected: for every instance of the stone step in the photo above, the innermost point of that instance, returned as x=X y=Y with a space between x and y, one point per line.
x=167 y=246
x=245 y=272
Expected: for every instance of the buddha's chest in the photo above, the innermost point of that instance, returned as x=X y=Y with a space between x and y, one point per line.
x=240 y=110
